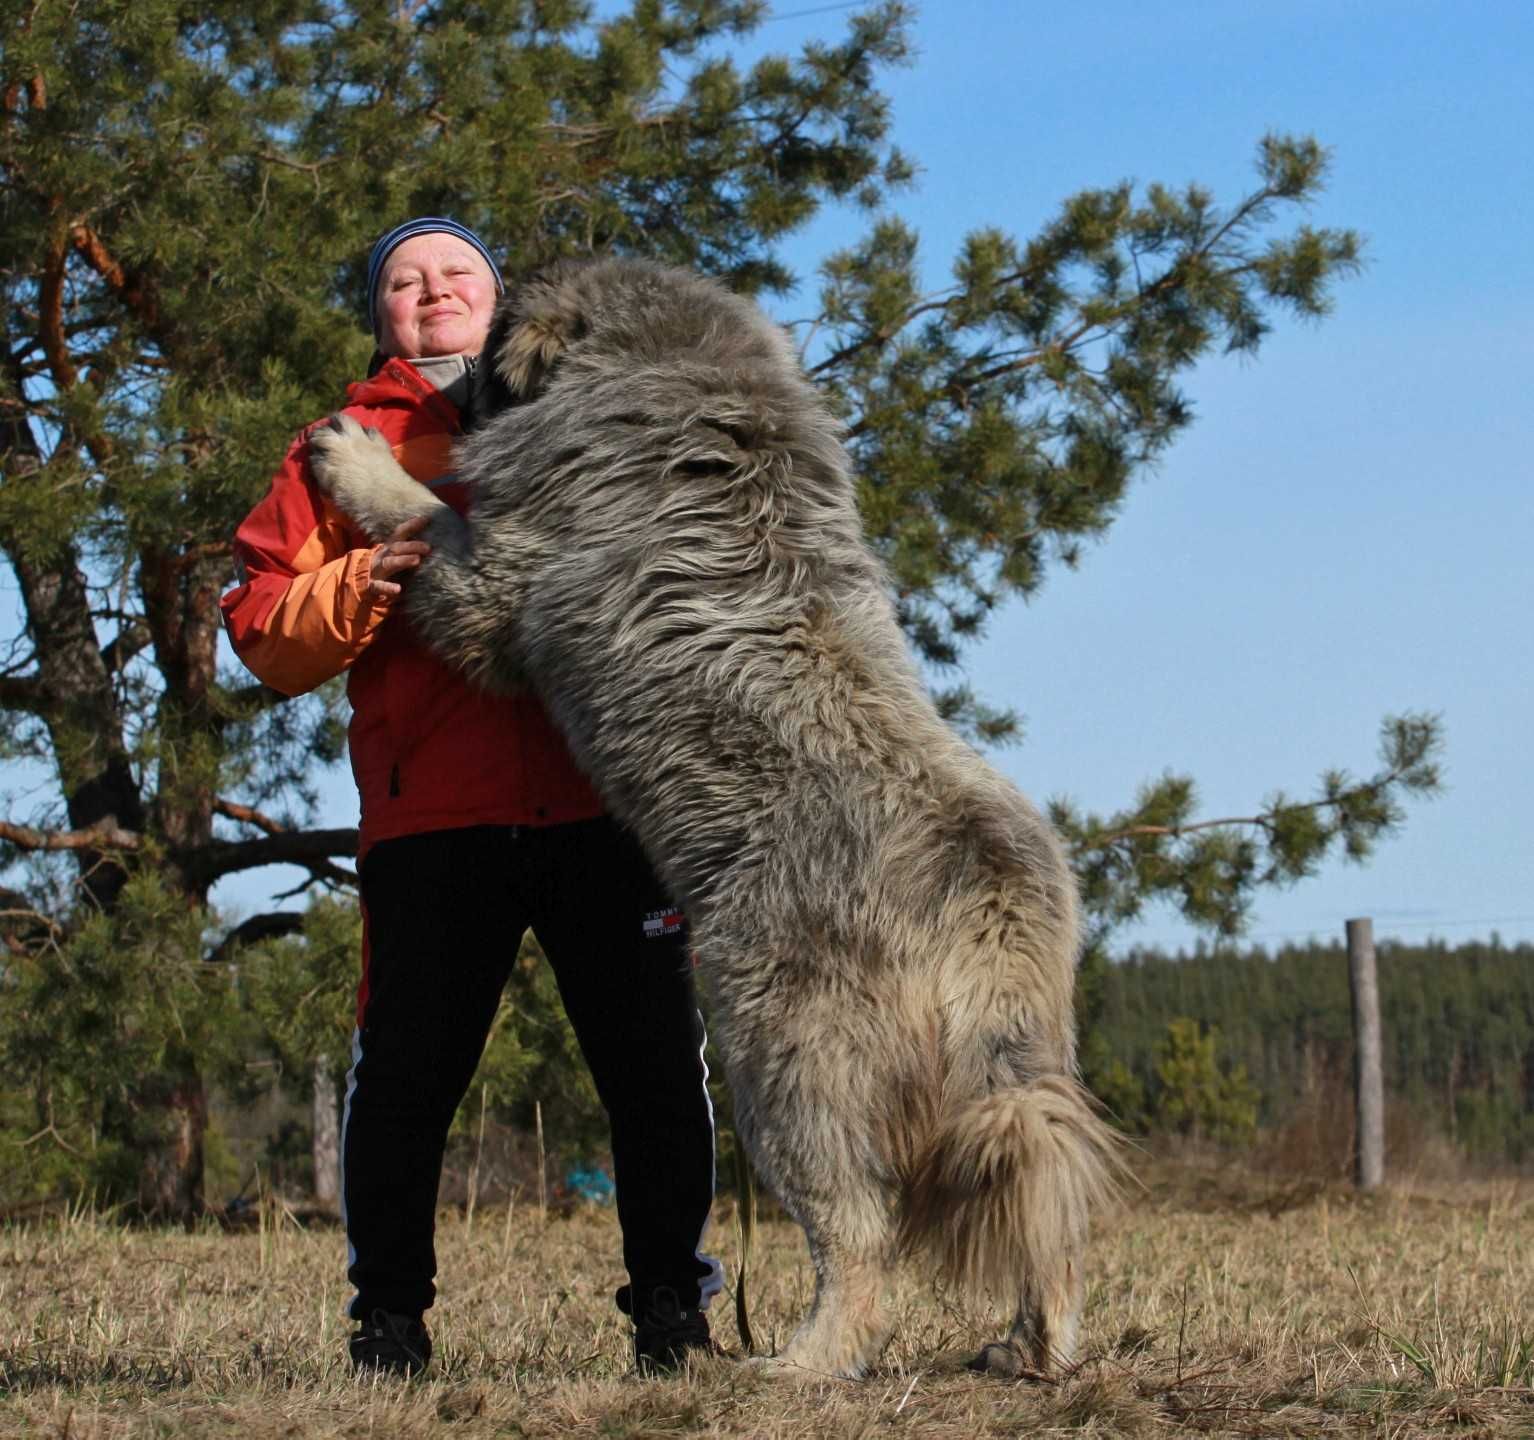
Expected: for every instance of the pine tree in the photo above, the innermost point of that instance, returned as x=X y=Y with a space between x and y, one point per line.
x=1195 y=1096
x=188 y=195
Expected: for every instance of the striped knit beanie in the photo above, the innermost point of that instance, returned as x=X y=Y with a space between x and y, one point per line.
x=426 y=225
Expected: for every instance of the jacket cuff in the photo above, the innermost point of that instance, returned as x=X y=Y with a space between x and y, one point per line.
x=359 y=575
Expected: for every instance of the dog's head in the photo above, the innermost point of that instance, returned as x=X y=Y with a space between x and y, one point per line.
x=643 y=350
x=534 y=325
x=621 y=306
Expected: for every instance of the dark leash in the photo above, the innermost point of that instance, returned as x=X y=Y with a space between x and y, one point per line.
x=745 y=1218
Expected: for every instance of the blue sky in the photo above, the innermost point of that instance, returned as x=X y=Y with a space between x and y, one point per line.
x=1345 y=532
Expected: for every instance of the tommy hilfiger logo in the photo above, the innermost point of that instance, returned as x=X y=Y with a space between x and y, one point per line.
x=663 y=922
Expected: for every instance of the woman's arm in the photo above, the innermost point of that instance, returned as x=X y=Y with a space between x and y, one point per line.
x=309 y=600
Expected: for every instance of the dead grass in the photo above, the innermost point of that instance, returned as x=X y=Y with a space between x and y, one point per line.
x=1219 y=1305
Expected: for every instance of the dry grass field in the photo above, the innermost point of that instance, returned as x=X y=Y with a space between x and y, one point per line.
x=1219 y=1305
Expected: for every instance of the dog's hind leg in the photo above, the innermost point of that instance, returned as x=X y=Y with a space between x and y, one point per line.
x=1005 y=1197
x=1044 y=1331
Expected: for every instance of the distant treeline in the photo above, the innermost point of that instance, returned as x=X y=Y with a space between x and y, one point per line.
x=1458 y=1023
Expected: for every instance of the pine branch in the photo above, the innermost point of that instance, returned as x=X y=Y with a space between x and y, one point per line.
x=317 y=878
x=22 y=925
x=52 y=332
x=880 y=336
x=34 y=918
x=132 y=290
x=105 y=834
x=1211 y=868
x=208 y=550
x=49 y=1132
x=1262 y=822
x=312 y=850
x=50 y=296
x=129 y=641
x=36 y=86
x=249 y=699
x=267 y=926
x=236 y=811
x=23 y=692
x=307 y=167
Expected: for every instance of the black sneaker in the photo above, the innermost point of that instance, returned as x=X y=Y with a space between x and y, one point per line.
x=391 y=1345
x=665 y=1334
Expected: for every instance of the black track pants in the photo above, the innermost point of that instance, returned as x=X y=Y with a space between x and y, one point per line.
x=445 y=914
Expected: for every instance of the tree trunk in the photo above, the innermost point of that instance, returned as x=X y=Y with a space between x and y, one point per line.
x=327 y=1138
x=181 y=611
x=162 y=1126
x=78 y=706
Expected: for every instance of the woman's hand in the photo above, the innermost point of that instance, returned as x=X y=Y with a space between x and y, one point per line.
x=397 y=557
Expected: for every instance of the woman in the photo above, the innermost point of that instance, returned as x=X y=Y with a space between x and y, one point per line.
x=475 y=824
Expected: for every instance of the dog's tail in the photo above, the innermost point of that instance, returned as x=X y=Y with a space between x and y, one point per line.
x=1009 y=1184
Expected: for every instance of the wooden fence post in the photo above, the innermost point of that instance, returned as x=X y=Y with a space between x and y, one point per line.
x=1368 y=1057
x=327 y=1138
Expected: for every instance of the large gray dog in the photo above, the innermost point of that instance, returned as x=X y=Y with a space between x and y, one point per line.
x=664 y=544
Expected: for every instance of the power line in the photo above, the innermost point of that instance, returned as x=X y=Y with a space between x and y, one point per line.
x=1388 y=925
x=818 y=10
x=1329 y=935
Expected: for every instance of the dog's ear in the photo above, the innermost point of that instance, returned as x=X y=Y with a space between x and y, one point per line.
x=527 y=354
x=532 y=331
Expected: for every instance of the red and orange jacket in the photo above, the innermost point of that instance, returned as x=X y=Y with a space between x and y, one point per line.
x=428 y=752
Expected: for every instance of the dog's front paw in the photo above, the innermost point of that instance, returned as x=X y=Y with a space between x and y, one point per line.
x=356 y=468
x=774 y=1368
x=341 y=447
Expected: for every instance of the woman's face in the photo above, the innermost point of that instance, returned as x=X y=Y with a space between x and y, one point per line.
x=435 y=297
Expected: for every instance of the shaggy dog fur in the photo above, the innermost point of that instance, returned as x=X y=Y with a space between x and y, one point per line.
x=664 y=543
